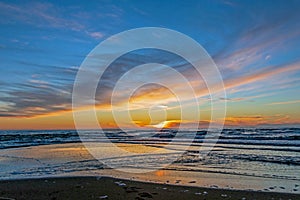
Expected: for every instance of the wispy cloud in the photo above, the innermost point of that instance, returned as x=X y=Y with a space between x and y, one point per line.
x=37 y=14
x=49 y=95
x=259 y=41
x=255 y=120
x=284 y=102
x=96 y=35
x=48 y=15
x=263 y=74
x=45 y=92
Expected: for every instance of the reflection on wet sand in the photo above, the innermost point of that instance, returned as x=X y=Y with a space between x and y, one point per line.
x=73 y=159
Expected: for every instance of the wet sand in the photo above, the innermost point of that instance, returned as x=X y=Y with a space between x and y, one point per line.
x=112 y=188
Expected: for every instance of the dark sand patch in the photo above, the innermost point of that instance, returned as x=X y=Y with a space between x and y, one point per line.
x=110 y=188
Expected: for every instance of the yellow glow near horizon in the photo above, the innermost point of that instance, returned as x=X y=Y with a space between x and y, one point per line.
x=64 y=120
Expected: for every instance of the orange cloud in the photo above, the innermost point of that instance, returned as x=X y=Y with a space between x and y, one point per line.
x=254 y=120
x=162 y=95
x=261 y=75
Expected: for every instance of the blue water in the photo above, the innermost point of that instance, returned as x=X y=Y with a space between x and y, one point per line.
x=268 y=153
x=273 y=138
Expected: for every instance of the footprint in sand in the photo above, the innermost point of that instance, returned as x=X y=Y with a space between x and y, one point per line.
x=145 y=194
x=6 y=198
x=132 y=189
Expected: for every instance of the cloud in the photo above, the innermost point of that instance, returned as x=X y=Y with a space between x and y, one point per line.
x=284 y=102
x=156 y=92
x=262 y=74
x=53 y=16
x=233 y=99
x=255 y=120
x=264 y=37
x=38 y=14
x=266 y=74
x=96 y=35
x=40 y=82
x=268 y=57
x=35 y=100
x=50 y=89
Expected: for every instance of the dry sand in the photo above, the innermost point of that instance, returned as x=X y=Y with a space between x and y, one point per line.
x=111 y=188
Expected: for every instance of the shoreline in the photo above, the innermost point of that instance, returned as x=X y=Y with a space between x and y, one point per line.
x=73 y=160
x=89 y=187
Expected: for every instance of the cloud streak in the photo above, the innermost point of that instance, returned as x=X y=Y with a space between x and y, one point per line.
x=37 y=97
x=51 y=16
x=285 y=102
x=256 y=120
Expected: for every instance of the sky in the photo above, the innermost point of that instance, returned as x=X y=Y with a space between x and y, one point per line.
x=255 y=44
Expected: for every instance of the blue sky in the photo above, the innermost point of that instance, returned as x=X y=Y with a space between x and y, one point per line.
x=256 y=45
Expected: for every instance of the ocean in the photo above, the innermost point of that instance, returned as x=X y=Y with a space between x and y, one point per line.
x=245 y=158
